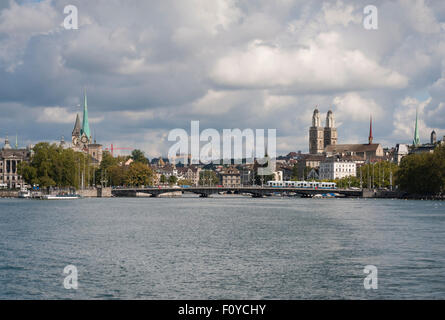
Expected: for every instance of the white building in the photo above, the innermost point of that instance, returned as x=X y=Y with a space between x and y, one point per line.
x=400 y=151
x=337 y=169
x=278 y=176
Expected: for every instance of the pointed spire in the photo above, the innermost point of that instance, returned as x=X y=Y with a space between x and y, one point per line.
x=416 y=140
x=370 y=138
x=77 y=129
x=85 y=124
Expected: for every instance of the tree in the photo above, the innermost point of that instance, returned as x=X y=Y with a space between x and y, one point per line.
x=423 y=173
x=139 y=156
x=377 y=175
x=139 y=174
x=184 y=182
x=163 y=179
x=116 y=175
x=348 y=182
x=295 y=173
x=172 y=180
x=208 y=177
x=51 y=165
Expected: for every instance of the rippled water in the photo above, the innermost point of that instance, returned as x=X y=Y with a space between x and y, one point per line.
x=222 y=248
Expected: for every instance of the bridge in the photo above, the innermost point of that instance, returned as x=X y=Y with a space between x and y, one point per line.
x=255 y=191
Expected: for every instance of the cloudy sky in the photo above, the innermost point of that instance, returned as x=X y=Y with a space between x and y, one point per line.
x=151 y=66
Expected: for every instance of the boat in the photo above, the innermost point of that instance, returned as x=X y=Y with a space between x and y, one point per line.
x=24 y=193
x=61 y=197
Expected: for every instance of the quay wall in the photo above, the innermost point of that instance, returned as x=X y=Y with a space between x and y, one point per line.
x=95 y=193
x=9 y=193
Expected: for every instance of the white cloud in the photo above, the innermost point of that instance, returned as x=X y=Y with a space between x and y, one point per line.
x=61 y=115
x=405 y=118
x=353 y=107
x=322 y=66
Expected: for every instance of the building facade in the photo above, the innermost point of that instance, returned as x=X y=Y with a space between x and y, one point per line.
x=336 y=169
x=10 y=159
x=190 y=173
x=230 y=177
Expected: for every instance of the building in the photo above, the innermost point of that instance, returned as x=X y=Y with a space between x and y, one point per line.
x=190 y=173
x=319 y=137
x=278 y=176
x=10 y=159
x=81 y=138
x=400 y=151
x=230 y=177
x=330 y=131
x=307 y=162
x=417 y=147
x=247 y=173
x=287 y=171
x=333 y=169
x=316 y=135
x=367 y=151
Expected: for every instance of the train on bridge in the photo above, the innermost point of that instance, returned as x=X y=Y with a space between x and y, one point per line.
x=302 y=184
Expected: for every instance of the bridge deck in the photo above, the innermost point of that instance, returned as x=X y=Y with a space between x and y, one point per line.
x=254 y=190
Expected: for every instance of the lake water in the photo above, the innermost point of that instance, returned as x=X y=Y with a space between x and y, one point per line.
x=222 y=248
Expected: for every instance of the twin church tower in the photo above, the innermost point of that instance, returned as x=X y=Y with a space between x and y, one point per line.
x=319 y=137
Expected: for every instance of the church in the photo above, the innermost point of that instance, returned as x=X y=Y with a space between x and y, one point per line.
x=81 y=138
x=323 y=141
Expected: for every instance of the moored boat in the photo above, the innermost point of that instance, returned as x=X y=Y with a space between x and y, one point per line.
x=24 y=193
x=61 y=197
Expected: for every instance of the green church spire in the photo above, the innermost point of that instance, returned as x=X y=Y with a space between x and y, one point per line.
x=416 y=140
x=85 y=125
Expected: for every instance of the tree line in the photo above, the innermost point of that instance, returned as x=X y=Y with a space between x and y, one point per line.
x=53 y=166
x=423 y=173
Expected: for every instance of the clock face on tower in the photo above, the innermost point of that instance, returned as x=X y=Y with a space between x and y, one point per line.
x=84 y=139
x=75 y=141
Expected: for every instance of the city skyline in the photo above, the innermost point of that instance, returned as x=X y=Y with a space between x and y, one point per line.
x=160 y=69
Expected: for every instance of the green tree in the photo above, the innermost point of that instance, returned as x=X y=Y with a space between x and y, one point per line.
x=163 y=179
x=116 y=175
x=139 y=156
x=51 y=165
x=378 y=175
x=184 y=182
x=139 y=174
x=208 y=177
x=172 y=180
x=294 y=175
x=423 y=173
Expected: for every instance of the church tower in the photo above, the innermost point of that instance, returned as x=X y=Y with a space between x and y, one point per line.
x=75 y=136
x=316 y=135
x=370 y=138
x=330 y=131
x=85 y=124
x=416 y=140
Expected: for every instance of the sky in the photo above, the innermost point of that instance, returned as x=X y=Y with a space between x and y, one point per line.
x=153 y=66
